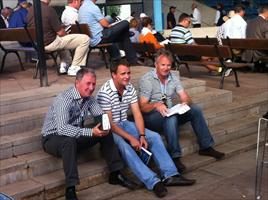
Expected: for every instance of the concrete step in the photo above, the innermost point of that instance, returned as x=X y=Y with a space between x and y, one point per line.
x=21 y=143
x=22 y=121
x=37 y=163
x=29 y=99
x=193 y=161
x=43 y=96
x=32 y=119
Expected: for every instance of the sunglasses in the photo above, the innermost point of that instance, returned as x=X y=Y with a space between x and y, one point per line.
x=164 y=99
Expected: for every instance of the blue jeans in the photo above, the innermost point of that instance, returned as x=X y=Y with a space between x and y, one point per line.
x=169 y=126
x=155 y=145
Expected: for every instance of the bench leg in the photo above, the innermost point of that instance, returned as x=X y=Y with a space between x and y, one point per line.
x=36 y=69
x=104 y=57
x=88 y=56
x=222 y=79
x=3 y=62
x=236 y=78
x=22 y=68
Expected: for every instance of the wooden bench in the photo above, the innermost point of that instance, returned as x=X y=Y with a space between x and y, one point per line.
x=206 y=41
x=84 y=29
x=145 y=50
x=25 y=35
x=248 y=44
x=215 y=51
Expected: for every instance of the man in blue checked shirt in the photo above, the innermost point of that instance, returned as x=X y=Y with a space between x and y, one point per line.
x=63 y=133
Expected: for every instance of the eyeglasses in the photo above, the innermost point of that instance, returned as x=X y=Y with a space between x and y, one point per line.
x=164 y=99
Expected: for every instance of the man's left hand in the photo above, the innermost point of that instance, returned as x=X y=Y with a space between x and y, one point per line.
x=143 y=142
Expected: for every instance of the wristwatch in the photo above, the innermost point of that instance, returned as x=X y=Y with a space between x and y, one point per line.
x=142 y=136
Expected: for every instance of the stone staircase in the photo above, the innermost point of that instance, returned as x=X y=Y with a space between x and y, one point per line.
x=26 y=172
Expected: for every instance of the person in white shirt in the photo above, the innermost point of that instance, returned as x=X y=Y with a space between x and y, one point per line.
x=196 y=16
x=70 y=13
x=236 y=26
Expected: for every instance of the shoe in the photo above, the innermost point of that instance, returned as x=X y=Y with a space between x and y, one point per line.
x=63 y=68
x=160 y=190
x=180 y=166
x=228 y=72
x=178 y=180
x=70 y=193
x=212 y=153
x=73 y=70
x=120 y=179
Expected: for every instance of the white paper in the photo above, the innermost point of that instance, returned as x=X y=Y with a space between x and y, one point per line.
x=178 y=109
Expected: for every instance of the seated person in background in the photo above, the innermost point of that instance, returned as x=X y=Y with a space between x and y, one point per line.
x=102 y=32
x=236 y=26
x=19 y=17
x=257 y=28
x=182 y=35
x=133 y=28
x=56 y=39
x=4 y=17
x=63 y=133
x=157 y=89
x=115 y=97
x=70 y=14
x=147 y=34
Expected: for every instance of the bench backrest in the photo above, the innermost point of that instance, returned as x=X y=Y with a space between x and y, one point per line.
x=147 y=49
x=81 y=28
x=206 y=41
x=250 y=44
x=200 y=50
x=17 y=34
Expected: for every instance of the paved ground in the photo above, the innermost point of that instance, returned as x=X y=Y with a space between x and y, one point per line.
x=230 y=179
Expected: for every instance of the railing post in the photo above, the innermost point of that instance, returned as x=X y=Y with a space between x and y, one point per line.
x=158 y=22
x=40 y=43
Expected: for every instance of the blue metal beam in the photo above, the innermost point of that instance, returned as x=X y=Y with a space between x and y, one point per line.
x=158 y=23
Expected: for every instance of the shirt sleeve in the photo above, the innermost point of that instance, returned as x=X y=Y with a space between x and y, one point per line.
x=97 y=13
x=134 y=97
x=145 y=88
x=54 y=20
x=177 y=82
x=217 y=17
x=94 y=107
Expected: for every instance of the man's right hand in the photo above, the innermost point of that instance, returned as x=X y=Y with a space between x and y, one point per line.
x=135 y=143
x=162 y=108
x=97 y=132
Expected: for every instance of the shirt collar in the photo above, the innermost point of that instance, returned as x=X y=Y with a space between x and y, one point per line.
x=156 y=77
x=113 y=88
x=76 y=95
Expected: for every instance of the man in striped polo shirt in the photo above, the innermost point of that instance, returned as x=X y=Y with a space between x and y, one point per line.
x=115 y=97
x=64 y=135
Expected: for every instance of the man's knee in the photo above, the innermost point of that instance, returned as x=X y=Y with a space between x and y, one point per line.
x=196 y=110
x=69 y=144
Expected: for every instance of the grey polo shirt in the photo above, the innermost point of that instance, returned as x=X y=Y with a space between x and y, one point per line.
x=152 y=89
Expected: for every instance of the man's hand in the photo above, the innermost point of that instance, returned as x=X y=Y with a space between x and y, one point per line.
x=162 y=108
x=97 y=132
x=143 y=142
x=136 y=145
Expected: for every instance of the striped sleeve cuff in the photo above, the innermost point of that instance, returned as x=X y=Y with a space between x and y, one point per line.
x=87 y=132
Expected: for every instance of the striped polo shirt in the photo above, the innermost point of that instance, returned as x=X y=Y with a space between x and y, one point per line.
x=109 y=100
x=181 y=35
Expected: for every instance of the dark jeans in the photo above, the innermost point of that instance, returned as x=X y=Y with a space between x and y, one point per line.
x=68 y=147
x=119 y=33
x=169 y=126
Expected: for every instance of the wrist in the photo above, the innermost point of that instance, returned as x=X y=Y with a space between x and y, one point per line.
x=142 y=135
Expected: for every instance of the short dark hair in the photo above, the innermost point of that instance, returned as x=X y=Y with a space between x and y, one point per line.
x=80 y=74
x=163 y=52
x=183 y=16
x=263 y=8
x=114 y=66
x=146 y=21
x=238 y=8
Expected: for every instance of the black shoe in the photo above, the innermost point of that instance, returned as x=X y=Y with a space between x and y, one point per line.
x=180 y=166
x=70 y=193
x=178 y=180
x=212 y=153
x=160 y=190
x=120 y=179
